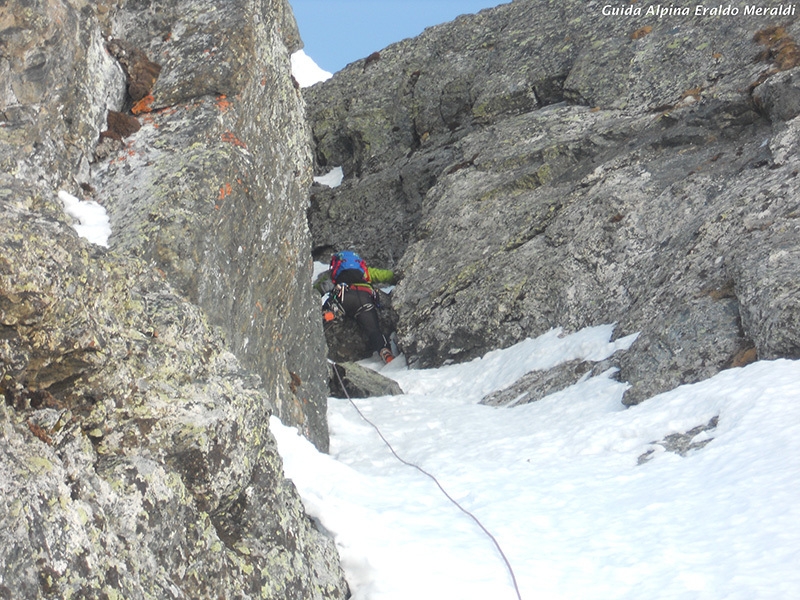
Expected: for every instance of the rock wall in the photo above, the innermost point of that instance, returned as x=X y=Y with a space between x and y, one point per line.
x=213 y=188
x=542 y=165
x=135 y=458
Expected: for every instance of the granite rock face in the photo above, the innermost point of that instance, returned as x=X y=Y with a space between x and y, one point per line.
x=51 y=122
x=213 y=188
x=542 y=165
x=135 y=454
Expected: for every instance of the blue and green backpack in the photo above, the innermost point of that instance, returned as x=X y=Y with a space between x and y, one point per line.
x=348 y=260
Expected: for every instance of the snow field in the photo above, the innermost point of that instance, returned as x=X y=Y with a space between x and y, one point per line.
x=558 y=484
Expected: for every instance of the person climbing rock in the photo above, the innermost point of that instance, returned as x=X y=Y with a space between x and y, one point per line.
x=349 y=285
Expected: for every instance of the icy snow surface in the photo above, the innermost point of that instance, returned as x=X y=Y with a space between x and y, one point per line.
x=557 y=483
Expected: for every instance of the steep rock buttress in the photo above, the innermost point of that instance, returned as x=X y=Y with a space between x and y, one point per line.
x=135 y=455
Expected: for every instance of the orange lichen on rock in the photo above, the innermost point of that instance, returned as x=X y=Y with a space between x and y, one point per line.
x=229 y=138
x=745 y=357
x=145 y=105
x=224 y=191
x=223 y=103
x=694 y=92
x=641 y=32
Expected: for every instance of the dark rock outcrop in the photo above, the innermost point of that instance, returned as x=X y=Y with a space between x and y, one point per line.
x=141 y=73
x=538 y=166
x=683 y=443
x=135 y=454
x=351 y=380
x=535 y=385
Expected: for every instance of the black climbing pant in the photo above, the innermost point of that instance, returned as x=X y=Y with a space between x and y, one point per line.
x=359 y=305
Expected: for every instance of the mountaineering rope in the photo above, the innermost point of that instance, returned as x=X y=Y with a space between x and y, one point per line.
x=436 y=481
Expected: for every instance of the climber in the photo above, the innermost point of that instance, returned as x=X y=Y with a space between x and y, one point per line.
x=348 y=283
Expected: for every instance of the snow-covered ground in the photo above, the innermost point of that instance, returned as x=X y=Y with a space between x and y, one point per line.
x=558 y=483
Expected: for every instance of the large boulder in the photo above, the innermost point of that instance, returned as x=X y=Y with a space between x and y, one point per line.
x=537 y=167
x=351 y=380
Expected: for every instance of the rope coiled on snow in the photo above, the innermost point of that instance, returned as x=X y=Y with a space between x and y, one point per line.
x=436 y=481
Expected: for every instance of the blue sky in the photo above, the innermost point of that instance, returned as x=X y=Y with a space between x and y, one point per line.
x=338 y=32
